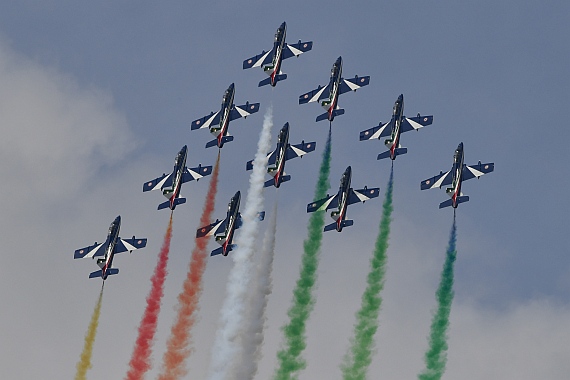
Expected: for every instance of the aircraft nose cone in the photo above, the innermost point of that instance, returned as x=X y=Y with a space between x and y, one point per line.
x=284 y=25
x=118 y=219
x=401 y=98
x=231 y=86
x=348 y=170
x=339 y=60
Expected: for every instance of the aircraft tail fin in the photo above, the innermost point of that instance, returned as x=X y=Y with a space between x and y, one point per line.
x=344 y=223
x=325 y=116
x=220 y=251
x=271 y=182
x=267 y=81
x=397 y=152
x=449 y=202
x=177 y=201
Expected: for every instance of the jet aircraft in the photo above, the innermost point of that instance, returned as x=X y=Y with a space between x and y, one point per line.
x=170 y=184
x=328 y=95
x=398 y=125
x=345 y=196
x=271 y=61
x=459 y=172
x=224 y=230
x=106 y=251
x=283 y=152
x=218 y=122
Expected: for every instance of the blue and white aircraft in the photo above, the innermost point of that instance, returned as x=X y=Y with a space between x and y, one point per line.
x=345 y=196
x=459 y=172
x=328 y=95
x=283 y=152
x=170 y=184
x=218 y=122
x=398 y=125
x=271 y=61
x=224 y=230
x=105 y=252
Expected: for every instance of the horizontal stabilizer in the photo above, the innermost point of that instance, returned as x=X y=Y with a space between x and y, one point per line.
x=449 y=202
x=344 y=223
x=217 y=251
x=330 y=227
x=383 y=155
x=401 y=151
x=325 y=116
x=267 y=81
x=95 y=274
x=177 y=201
x=112 y=271
x=212 y=143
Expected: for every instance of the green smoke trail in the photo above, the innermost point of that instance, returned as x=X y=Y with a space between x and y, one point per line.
x=358 y=359
x=436 y=355
x=289 y=358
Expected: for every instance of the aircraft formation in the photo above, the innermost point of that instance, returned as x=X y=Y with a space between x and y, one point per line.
x=328 y=96
x=224 y=230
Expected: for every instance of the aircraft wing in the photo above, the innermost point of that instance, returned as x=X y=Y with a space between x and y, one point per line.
x=299 y=150
x=243 y=111
x=215 y=228
x=437 y=181
x=323 y=204
x=133 y=244
x=259 y=60
x=295 y=49
x=381 y=130
x=91 y=251
x=362 y=195
x=206 y=121
x=271 y=157
x=158 y=183
x=478 y=170
x=415 y=123
x=318 y=94
x=353 y=84
x=196 y=173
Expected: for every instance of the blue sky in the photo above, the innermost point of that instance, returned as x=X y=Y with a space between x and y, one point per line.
x=97 y=98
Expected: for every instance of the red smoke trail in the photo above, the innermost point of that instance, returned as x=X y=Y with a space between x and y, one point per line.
x=140 y=360
x=177 y=346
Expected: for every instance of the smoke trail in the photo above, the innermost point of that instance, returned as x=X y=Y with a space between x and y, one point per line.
x=289 y=358
x=84 y=363
x=358 y=359
x=177 y=346
x=252 y=334
x=436 y=355
x=225 y=348
x=140 y=359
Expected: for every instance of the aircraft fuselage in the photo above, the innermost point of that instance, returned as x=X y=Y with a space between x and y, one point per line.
x=397 y=114
x=455 y=190
x=343 y=190
x=278 y=44
x=112 y=237
x=336 y=76
x=227 y=104
x=232 y=215
x=179 y=167
x=282 y=143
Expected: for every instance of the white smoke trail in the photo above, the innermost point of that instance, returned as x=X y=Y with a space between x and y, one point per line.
x=226 y=347
x=262 y=286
